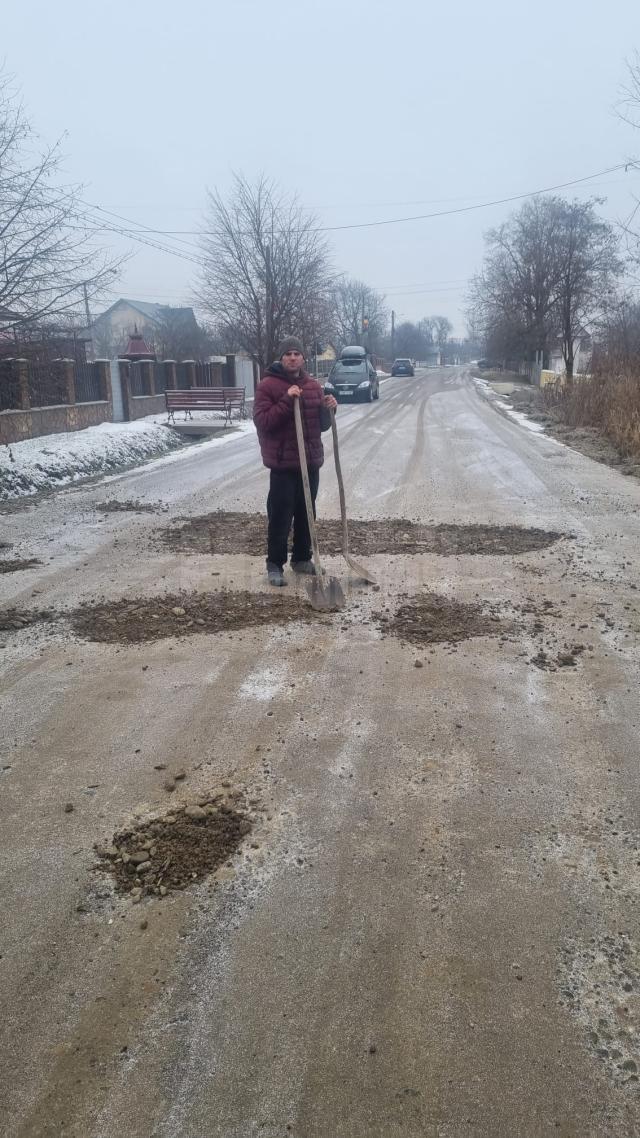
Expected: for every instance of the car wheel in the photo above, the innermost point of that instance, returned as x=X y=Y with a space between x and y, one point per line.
x=369 y=395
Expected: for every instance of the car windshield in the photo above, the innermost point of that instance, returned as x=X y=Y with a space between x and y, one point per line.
x=350 y=369
x=404 y=363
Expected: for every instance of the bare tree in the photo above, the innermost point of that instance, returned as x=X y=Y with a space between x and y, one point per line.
x=588 y=265
x=48 y=257
x=441 y=330
x=546 y=273
x=264 y=266
x=353 y=301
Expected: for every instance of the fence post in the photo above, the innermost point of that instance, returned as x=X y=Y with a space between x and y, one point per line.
x=102 y=370
x=231 y=371
x=170 y=374
x=68 y=369
x=22 y=376
x=125 y=376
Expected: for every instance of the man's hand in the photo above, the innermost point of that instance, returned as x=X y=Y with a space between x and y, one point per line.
x=294 y=391
x=330 y=402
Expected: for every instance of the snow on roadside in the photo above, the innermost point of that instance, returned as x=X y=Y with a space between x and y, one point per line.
x=57 y=460
x=485 y=389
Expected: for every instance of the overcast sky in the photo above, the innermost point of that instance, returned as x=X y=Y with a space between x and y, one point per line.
x=367 y=110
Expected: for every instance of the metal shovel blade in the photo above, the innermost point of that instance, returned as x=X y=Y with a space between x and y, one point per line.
x=361 y=573
x=325 y=593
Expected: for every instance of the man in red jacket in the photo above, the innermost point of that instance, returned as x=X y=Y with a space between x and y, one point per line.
x=283 y=383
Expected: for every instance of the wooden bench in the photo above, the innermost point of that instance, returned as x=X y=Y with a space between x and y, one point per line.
x=224 y=400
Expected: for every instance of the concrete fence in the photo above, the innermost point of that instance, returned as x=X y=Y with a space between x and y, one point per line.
x=62 y=395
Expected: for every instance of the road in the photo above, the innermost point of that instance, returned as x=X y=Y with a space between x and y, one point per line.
x=434 y=927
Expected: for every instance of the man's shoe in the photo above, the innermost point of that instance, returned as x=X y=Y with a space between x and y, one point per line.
x=306 y=567
x=275 y=574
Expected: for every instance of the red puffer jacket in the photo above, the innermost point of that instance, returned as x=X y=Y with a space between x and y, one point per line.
x=273 y=417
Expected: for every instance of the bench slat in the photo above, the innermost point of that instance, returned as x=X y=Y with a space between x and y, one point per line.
x=223 y=399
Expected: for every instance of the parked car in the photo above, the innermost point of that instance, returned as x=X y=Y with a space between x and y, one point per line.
x=353 y=376
x=402 y=367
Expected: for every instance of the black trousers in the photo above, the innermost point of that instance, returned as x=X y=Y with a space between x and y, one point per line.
x=285 y=504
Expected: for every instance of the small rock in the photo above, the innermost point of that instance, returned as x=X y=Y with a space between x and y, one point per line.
x=140 y=857
x=373 y=1049
x=177 y=611
x=159 y=766
x=144 y=924
x=169 y=784
x=418 y=664
x=179 y=775
x=195 y=812
x=68 y=807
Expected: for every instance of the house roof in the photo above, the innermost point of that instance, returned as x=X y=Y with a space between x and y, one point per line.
x=153 y=312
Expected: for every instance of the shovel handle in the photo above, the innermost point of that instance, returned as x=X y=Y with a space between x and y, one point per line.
x=307 y=488
x=343 y=501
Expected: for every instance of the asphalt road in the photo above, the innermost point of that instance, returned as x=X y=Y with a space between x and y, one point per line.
x=434 y=928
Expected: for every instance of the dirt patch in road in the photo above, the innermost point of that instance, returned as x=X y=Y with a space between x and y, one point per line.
x=434 y=619
x=174 y=851
x=18 y=563
x=13 y=620
x=222 y=532
x=183 y=614
x=113 y=506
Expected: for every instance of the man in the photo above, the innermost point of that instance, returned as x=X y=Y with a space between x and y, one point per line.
x=273 y=415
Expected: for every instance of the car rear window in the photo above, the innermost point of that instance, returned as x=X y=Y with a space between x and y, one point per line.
x=350 y=368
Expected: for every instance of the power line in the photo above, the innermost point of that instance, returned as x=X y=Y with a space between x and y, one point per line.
x=479 y=205
x=439 y=213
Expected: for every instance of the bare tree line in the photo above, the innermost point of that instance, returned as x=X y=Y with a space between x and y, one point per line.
x=49 y=260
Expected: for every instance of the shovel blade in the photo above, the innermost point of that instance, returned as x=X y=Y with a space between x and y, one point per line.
x=359 y=570
x=325 y=593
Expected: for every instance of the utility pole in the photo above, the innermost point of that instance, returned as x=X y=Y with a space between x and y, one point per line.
x=268 y=304
x=89 y=321
x=393 y=335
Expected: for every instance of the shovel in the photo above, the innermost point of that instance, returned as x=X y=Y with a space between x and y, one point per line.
x=325 y=593
x=358 y=569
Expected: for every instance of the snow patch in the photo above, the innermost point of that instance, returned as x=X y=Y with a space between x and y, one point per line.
x=52 y=461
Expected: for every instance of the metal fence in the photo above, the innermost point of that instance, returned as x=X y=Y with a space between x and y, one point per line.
x=182 y=377
x=87 y=384
x=9 y=386
x=159 y=377
x=137 y=385
x=47 y=384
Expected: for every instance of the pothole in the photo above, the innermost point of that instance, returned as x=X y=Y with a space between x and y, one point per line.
x=172 y=852
x=16 y=564
x=182 y=614
x=222 y=532
x=600 y=984
x=113 y=506
x=434 y=619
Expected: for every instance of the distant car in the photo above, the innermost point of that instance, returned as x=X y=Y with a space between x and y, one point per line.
x=402 y=367
x=353 y=376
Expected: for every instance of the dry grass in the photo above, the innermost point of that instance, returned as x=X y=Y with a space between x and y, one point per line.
x=608 y=400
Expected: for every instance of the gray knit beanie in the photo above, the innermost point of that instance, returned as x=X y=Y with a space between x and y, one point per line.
x=291 y=344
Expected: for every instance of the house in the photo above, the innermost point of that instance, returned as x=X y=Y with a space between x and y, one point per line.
x=173 y=333
x=583 y=349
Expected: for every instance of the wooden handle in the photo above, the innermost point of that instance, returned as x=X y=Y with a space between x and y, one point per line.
x=343 y=501
x=305 y=482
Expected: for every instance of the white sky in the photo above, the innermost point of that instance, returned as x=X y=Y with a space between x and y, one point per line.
x=367 y=110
